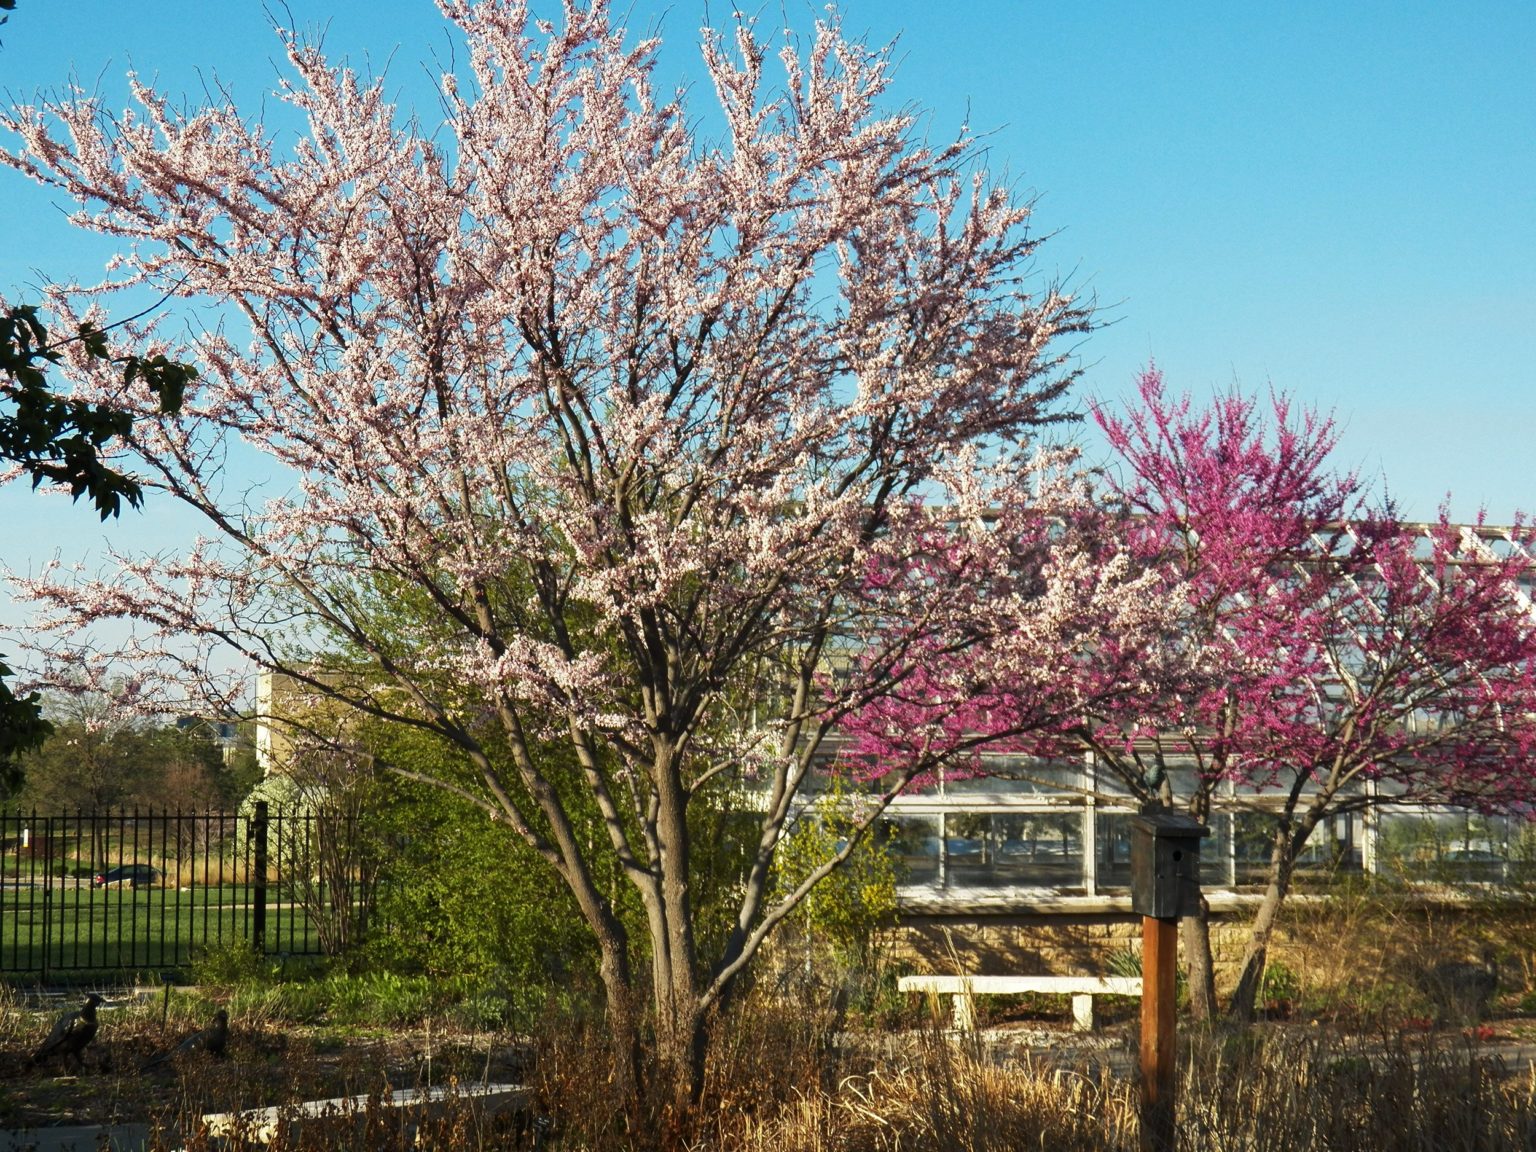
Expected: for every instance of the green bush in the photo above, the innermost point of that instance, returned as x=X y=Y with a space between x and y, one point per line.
x=848 y=908
x=232 y=963
x=1279 y=984
x=463 y=898
x=1127 y=962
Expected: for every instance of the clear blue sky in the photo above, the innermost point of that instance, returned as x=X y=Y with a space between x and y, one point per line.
x=1336 y=199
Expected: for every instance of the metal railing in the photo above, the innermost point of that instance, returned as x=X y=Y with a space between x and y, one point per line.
x=150 y=891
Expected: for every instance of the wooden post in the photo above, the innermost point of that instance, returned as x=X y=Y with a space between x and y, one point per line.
x=1159 y=1049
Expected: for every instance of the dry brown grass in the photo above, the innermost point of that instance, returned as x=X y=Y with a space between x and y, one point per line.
x=784 y=1077
x=788 y=1072
x=1361 y=953
x=1292 y=1089
x=206 y=872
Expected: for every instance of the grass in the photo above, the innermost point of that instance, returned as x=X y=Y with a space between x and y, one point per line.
x=47 y=931
x=793 y=1069
x=789 y=1073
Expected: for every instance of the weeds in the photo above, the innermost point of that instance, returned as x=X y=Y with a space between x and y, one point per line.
x=1295 y=1089
x=789 y=1069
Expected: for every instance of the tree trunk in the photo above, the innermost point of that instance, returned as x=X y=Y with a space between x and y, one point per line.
x=1195 y=939
x=623 y=1022
x=679 y=1016
x=1245 y=999
x=1195 y=936
x=680 y=1046
x=1282 y=862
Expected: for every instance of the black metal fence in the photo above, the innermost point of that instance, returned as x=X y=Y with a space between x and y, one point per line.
x=150 y=891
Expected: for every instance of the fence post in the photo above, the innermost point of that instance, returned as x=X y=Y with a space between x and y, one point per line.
x=259 y=891
x=47 y=889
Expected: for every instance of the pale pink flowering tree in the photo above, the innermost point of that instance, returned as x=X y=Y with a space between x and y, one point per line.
x=1361 y=660
x=627 y=415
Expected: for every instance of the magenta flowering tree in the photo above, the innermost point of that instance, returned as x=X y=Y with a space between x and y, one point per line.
x=995 y=679
x=626 y=414
x=1322 y=656
x=1360 y=660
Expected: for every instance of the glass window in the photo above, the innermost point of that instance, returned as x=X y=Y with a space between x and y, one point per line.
x=1183 y=777
x=1109 y=782
x=1453 y=847
x=834 y=769
x=969 y=849
x=1216 y=852
x=1010 y=850
x=1333 y=847
x=1038 y=850
x=1020 y=776
x=913 y=843
x=1113 y=833
x=1253 y=838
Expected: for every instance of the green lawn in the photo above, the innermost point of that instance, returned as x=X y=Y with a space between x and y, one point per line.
x=67 y=927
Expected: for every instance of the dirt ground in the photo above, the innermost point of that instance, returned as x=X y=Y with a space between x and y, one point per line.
x=274 y=1063
x=265 y=1065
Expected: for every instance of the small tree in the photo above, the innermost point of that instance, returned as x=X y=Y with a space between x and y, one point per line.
x=1362 y=661
x=1327 y=658
x=635 y=411
x=92 y=758
x=847 y=910
x=320 y=842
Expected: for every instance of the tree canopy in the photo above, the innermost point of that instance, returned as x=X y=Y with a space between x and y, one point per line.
x=635 y=411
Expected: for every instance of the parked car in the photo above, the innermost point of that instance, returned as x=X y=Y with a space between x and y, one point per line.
x=1475 y=864
x=1472 y=856
x=133 y=875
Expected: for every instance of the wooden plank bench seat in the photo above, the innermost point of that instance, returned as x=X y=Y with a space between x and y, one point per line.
x=1082 y=989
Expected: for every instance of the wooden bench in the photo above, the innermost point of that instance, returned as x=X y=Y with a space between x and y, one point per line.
x=260 y=1125
x=1082 y=989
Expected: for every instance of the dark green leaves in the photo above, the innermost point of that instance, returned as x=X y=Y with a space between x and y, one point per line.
x=165 y=378
x=22 y=727
x=60 y=440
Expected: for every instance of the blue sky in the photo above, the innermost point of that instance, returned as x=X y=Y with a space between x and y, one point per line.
x=1338 y=200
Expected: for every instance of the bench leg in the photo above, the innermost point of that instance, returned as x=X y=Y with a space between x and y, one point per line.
x=1082 y=1012
x=964 y=1013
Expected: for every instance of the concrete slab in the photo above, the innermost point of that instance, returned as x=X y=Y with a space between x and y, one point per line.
x=260 y=1124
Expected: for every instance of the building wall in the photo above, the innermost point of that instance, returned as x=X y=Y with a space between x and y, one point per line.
x=1371 y=945
x=1056 y=835
x=289 y=713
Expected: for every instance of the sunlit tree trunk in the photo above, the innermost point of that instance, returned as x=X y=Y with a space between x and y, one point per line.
x=1290 y=836
x=1200 y=965
x=1195 y=931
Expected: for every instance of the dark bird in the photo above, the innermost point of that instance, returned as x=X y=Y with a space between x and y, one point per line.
x=1463 y=989
x=71 y=1033
x=210 y=1040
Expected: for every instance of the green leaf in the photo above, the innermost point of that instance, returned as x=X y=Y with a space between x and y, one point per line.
x=95 y=341
x=166 y=378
